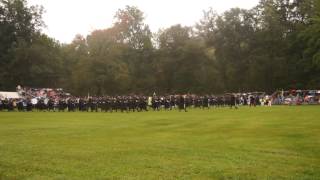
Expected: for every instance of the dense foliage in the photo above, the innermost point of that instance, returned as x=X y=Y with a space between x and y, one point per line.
x=272 y=46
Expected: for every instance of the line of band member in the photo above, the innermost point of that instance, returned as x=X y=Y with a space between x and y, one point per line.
x=126 y=103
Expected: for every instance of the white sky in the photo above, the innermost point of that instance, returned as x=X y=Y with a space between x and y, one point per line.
x=66 y=18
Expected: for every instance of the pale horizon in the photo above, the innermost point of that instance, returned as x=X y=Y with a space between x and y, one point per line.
x=65 y=19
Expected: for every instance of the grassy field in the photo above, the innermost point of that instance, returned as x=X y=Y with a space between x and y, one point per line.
x=248 y=143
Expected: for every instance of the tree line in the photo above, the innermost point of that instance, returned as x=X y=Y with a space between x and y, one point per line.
x=275 y=45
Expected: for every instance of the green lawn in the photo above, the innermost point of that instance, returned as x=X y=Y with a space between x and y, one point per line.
x=248 y=143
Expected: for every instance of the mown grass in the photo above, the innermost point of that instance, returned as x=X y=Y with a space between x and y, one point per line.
x=248 y=143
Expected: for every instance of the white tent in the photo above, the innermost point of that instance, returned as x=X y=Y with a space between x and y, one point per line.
x=9 y=95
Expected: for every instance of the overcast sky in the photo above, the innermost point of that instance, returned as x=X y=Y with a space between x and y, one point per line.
x=66 y=18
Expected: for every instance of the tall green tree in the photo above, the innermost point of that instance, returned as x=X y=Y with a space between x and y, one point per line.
x=36 y=65
x=20 y=25
x=110 y=71
x=136 y=35
x=310 y=57
x=183 y=62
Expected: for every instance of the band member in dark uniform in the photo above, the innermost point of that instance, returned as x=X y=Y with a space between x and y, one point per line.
x=51 y=105
x=62 y=105
x=10 y=106
x=205 y=102
x=182 y=103
x=1 y=105
x=233 y=101
x=29 y=105
x=20 y=105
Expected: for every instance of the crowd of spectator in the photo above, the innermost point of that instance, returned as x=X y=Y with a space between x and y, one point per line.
x=296 y=97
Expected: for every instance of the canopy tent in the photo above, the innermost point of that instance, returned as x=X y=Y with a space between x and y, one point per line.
x=9 y=95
